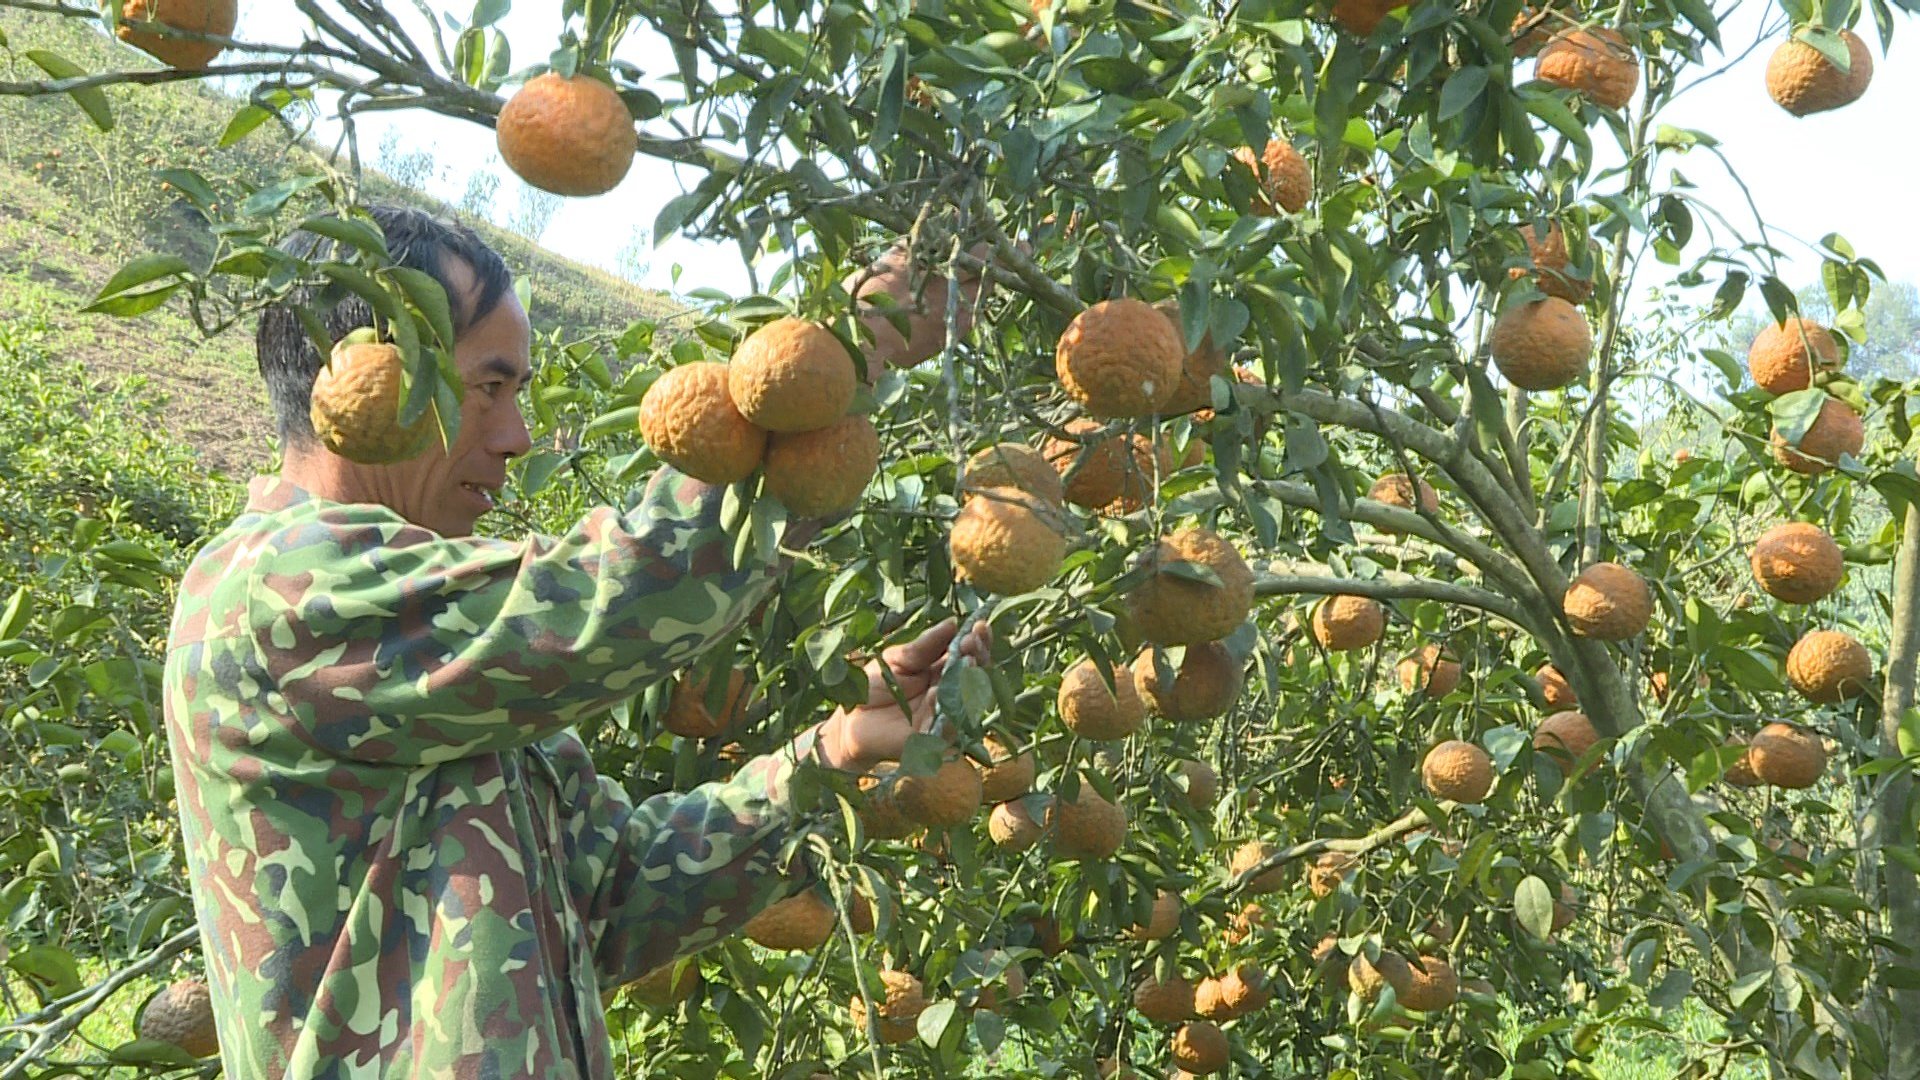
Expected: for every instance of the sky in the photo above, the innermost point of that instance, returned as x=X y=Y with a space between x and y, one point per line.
x=1843 y=171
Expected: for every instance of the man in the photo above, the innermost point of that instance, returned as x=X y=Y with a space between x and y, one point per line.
x=403 y=862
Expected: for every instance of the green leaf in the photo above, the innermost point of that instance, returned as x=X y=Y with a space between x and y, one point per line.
x=488 y=12
x=354 y=233
x=426 y=294
x=1533 y=907
x=1748 y=985
x=92 y=100
x=19 y=609
x=1794 y=413
x=1462 y=90
x=624 y=421
x=245 y=120
x=1673 y=990
x=141 y=271
x=933 y=1021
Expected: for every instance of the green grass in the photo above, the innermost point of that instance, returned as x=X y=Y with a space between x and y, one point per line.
x=76 y=203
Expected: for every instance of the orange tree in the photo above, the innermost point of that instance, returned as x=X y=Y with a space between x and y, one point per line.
x=1364 y=485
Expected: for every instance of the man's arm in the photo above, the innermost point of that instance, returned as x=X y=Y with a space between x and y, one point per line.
x=393 y=644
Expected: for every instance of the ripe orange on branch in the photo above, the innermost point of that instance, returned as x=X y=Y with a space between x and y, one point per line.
x=689 y=420
x=1328 y=871
x=216 y=17
x=799 y=923
x=1013 y=465
x=1114 y=474
x=948 y=796
x=1598 y=64
x=1165 y=1001
x=569 y=136
x=1007 y=541
x=1801 y=79
x=1565 y=736
x=1609 y=602
x=1231 y=995
x=182 y=1016
x=896 y=1007
x=1093 y=710
x=1542 y=344
x=1120 y=358
x=1086 y=826
x=1176 y=605
x=1555 y=688
x=1204 y=685
x=1252 y=854
x=1009 y=776
x=1430 y=670
x=1458 y=770
x=687 y=714
x=1837 y=432
x=1362 y=17
x=823 y=472
x=1784 y=357
x=1797 y=562
x=1345 y=623
x=1827 y=666
x=1012 y=826
x=1407 y=493
x=1787 y=756
x=792 y=375
x=355 y=404
x=1552 y=264
x=1286 y=181
x=1195 y=388
x=1201 y=1048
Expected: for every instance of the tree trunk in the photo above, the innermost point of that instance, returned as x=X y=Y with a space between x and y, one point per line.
x=1895 y=1013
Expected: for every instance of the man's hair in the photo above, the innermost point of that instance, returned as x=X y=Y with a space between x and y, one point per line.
x=288 y=360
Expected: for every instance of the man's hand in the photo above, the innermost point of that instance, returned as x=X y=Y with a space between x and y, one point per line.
x=856 y=739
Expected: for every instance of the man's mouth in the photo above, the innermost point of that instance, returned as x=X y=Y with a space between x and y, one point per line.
x=485 y=494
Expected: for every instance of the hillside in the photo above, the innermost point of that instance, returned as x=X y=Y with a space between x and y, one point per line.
x=75 y=203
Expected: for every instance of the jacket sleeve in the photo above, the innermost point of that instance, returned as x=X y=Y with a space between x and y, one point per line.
x=393 y=644
x=676 y=873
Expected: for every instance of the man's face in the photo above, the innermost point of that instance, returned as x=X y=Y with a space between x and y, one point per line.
x=447 y=490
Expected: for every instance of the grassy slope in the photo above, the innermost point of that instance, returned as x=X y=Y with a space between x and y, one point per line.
x=75 y=203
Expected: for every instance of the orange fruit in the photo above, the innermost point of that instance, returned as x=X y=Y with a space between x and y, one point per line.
x=900 y=1002
x=1827 y=666
x=1531 y=29
x=1165 y=1001
x=1120 y=358
x=1168 y=607
x=1328 y=871
x=687 y=715
x=1552 y=265
x=1009 y=776
x=1232 y=995
x=1013 y=465
x=1252 y=854
x=1201 y=1048
x=1361 y=17
x=1086 y=827
x=1598 y=64
x=1801 y=80
x=1164 y=921
x=1459 y=771
x=355 y=407
x=1344 y=623
x=1740 y=773
x=947 y=796
x=1195 y=388
x=1431 y=985
x=569 y=136
x=1785 y=356
x=1007 y=541
x=1398 y=489
x=1203 y=783
x=1787 y=756
x=1011 y=826
x=1565 y=736
x=1797 y=562
x=1114 y=475
x=792 y=375
x=824 y=472
x=1093 y=710
x=1541 y=345
x=799 y=923
x=1430 y=670
x=1285 y=178
x=182 y=1016
x=1204 y=685
x=1837 y=432
x=1555 y=688
x=666 y=985
x=1609 y=602
x=688 y=419
x=216 y=17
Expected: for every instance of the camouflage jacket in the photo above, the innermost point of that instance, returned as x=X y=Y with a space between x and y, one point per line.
x=402 y=860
